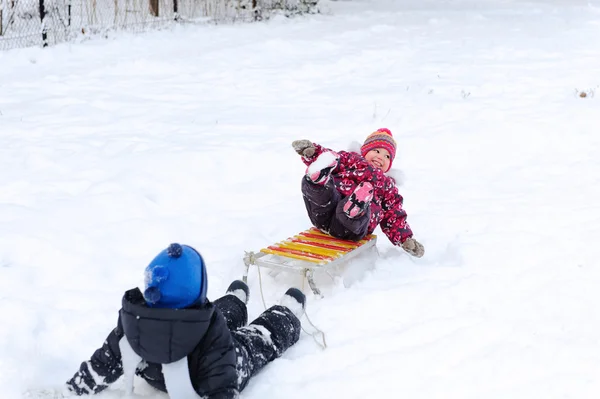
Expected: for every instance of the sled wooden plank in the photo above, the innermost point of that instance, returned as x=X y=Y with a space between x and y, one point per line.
x=293 y=256
x=315 y=247
x=307 y=235
x=310 y=249
x=296 y=252
x=330 y=240
x=307 y=252
x=320 y=243
x=316 y=234
x=319 y=233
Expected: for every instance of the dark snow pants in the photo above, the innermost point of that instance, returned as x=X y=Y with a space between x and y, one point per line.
x=263 y=340
x=325 y=207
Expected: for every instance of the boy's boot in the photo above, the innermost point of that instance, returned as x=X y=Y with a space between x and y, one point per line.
x=319 y=171
x=240 y=290
x=294 y=300
x=359 y=200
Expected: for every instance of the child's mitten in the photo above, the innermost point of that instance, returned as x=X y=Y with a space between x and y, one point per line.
x=49 y=393
x=413 y=247
x=304 y=148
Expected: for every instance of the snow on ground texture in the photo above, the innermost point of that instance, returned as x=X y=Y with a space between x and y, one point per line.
x=112 y=149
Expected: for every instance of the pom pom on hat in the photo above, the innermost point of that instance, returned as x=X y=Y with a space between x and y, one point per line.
x=381 y=138
x=176 y=278
x=174 y=250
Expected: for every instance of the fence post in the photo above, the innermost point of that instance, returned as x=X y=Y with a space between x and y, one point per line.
x=256 y=11
x=42 y=18
x=3 y=5
x=154 y=7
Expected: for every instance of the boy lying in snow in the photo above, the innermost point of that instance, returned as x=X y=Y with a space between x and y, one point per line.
x=348 y=194
x=173 y=337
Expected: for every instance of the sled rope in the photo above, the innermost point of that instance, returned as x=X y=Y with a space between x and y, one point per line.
x=261 y=288
x=318 y=331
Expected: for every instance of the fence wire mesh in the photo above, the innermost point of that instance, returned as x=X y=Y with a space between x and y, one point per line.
x=25 y=23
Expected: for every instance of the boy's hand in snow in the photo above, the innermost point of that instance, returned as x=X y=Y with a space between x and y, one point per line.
x=304 y=148
x=49 y=393
x=413 y=247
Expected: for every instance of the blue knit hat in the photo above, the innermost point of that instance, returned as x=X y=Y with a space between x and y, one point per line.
x=175 y=279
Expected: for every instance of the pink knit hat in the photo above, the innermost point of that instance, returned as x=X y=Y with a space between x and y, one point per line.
x=381 y=138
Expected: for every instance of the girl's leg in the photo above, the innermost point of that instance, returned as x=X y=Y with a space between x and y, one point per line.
x=353 y=213
x=320 y=202
x=347 y=228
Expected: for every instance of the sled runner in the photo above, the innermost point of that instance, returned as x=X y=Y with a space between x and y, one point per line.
x=307 y=252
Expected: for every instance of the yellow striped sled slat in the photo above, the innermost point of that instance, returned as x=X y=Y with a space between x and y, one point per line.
x=316 y=240
x=304 y=247
x=314 y=246
x=293 y=256
x=355 y=244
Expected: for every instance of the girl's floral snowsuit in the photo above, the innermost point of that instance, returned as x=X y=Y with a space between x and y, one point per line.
x=324 y=203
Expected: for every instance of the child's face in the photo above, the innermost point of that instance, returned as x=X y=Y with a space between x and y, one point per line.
x=379 y=158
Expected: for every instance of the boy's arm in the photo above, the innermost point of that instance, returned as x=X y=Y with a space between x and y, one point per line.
x=216 y=375
x=103 y=368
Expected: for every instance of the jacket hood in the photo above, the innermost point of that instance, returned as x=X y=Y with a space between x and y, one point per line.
x=161 y=335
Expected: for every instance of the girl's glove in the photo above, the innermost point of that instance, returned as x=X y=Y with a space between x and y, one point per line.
x=413 y=247
x=304 y=148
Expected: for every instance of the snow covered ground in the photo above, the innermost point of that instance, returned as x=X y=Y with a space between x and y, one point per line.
x=112 y=149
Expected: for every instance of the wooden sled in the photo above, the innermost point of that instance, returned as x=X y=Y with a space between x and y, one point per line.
x=307 y=252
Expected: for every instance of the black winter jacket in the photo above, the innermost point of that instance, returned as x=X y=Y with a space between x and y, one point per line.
x=163 y=336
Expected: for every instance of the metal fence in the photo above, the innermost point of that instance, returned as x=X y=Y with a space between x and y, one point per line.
x=26 y=23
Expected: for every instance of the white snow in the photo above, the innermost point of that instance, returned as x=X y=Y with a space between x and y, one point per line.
x=113 y=149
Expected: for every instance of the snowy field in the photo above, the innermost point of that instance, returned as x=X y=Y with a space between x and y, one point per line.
x=112 y=149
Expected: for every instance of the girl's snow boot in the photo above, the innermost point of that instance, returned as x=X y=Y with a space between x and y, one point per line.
x=319 y=171
x=359 y=200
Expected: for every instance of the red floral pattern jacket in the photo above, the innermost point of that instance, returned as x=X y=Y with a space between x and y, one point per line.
x=386 y=206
